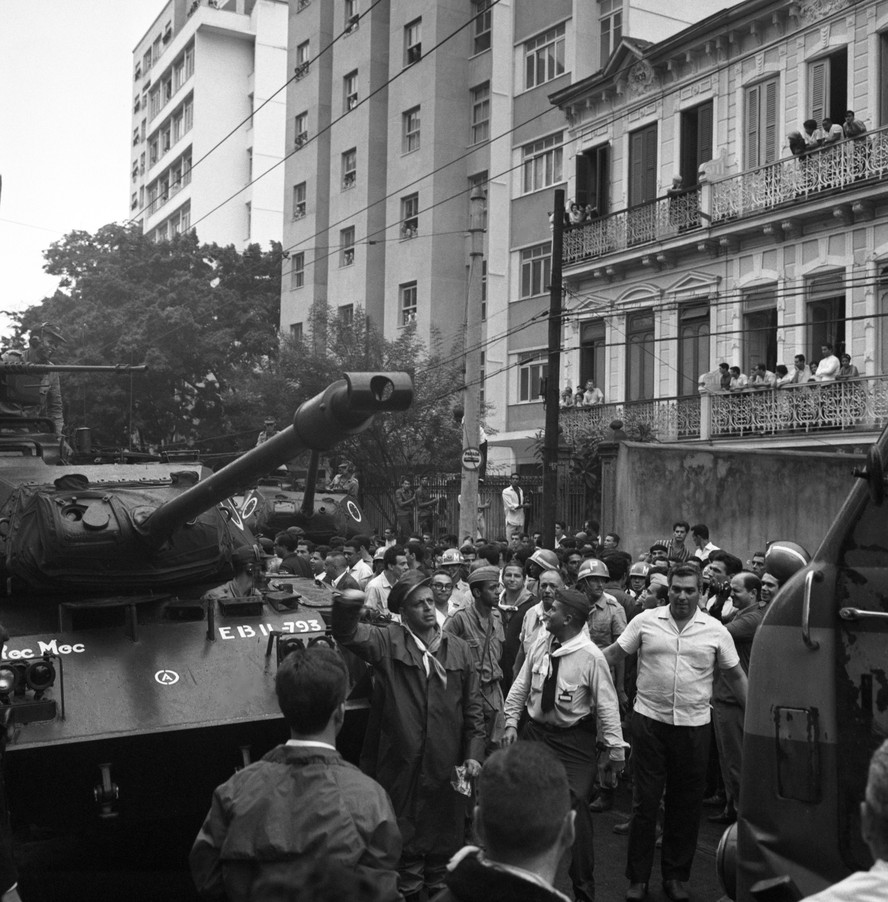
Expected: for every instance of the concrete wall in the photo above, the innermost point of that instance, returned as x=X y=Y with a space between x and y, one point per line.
x=746 y=498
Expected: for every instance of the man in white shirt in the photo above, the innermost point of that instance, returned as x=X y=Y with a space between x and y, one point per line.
x=357 y=554
x=679 y=648
x=829 y=365
x=514 y=505
x=871 y=885
x=700 y=537
x=394 y=566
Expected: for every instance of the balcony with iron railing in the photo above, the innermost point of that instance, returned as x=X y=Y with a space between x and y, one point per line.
x=846 y=169
x=853 y=406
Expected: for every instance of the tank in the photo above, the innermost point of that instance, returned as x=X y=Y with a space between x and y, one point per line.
x=127 y=698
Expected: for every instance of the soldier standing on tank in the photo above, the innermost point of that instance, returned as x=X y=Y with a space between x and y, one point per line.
x=269 y=431
x=32 y=395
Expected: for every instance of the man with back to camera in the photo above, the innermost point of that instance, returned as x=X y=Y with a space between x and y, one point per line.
x=301 y=800
x=524 y=820
x=871 y=885
x=31 y=395
x=566 y=688
x=679 y=648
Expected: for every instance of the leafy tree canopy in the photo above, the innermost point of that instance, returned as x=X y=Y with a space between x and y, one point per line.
x=199 y=315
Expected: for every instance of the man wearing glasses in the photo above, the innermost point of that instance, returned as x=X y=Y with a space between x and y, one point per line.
x=442 y=589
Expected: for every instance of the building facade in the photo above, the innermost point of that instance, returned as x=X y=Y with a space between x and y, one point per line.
x=208 y=121
x=758 y=254
x=396 y=110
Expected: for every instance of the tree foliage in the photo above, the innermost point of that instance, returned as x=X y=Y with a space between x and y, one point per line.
x=198 y=315
x=426 y=436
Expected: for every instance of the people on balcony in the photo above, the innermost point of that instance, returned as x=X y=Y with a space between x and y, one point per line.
x=783 y=376
x=847 y=370
x=762 y=378
x=575 y=213
x=810 y=133
x=828 y=367
x=801 y=372
x=853 y=128
x=578 y=398
x=567 y=397
x=798 y=146
x=739 y=380
x=593 y=395
x=829 y=133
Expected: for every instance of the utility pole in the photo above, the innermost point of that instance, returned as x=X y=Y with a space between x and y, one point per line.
x=468 y=508
x=553 y=379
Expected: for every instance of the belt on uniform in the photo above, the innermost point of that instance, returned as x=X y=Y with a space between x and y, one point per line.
x=586 y=724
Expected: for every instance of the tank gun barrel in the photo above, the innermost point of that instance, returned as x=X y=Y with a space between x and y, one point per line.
x=19 y=369
x=345 y=408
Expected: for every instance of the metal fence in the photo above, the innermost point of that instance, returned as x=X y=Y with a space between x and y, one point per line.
x=378 y=498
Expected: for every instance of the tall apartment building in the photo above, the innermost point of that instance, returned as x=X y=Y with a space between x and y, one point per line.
x=395 y=112
x=762 y=256
x=199 y=71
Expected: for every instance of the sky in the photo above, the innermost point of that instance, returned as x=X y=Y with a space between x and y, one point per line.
x=66 y=94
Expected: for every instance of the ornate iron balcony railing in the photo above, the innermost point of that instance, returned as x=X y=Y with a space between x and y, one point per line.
x=662 y=218
x=859 y=404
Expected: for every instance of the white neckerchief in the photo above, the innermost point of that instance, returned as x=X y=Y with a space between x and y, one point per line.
x=429 y=661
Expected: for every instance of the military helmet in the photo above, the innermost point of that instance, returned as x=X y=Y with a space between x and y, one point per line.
x=546 y=559
x=782 y=559
x=593 y=568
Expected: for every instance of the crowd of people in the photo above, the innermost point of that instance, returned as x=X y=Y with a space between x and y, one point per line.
x=513 y=685
x=816 y=137
x=829 y=368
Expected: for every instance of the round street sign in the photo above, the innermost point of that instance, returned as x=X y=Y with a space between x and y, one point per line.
x=471 y=459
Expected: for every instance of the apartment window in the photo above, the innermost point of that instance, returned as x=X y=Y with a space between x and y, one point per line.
x=479 y=180
x=409 y=216
x=189 y=62
x=640 y=357
x=643 y=165
x=544 y=57
x=297 y=271
x=413 y=42
x=759 y=329
x=301 y=129
x=153 y=145
x=826 y=315
x=346 y=314
x=177 y=126
x=482 y=377
x=347 y=246
x=166 y=139
x=481 y=113
x=250 y=108
x=146 y=61
x=302 y=52
x=696 y=142
x=542 y=163
x=593 y=179
x=141 y=163
x=407 y=303
x=186 y=217
x=350 y=90
x=166 y=88
x=693 y=346
x=762 y=143
x=531 y=378
x=188 y=110
x=137 y=103
x=592 y=352
x=138 y=73
x=154 y=103
x=296 y=331
x=134 y=201
x=156 y=49
x=179 y=73
x=611 y=28
x=411 y=123
x=299 y=200
x=249 y=211
x=481 y=37
x=349 y=168
x=536 y=269
x=828 y=86
x=352 y=18
x=135 y=137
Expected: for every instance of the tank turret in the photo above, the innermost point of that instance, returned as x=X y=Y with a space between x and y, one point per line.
x=150 y=527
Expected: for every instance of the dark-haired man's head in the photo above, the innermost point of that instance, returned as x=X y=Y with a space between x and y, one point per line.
x=490 y=553
x=311 y=685
x=523 y=813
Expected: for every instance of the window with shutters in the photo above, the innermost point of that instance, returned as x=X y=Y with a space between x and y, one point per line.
x=592 y=352
x=640 y=356
x=696 y=142
x=760 y=328
x=762 y=141
x=592 y=167
x=828 y=87
x=826 y=314
x=693 y=346
x=643 y=165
